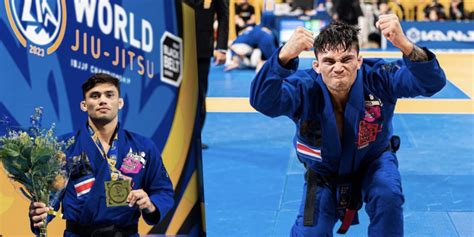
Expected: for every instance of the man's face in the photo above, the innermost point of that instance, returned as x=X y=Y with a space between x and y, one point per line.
x=102 y=103
x=338 y=69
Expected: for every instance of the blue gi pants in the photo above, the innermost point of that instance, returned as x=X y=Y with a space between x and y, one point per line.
x=382 y=194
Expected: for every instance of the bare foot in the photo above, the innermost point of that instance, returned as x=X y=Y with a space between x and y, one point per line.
x=231 y=67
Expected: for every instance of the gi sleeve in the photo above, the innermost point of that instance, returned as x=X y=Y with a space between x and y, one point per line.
x=158 y=186
x=404 y=78
x=277 y=90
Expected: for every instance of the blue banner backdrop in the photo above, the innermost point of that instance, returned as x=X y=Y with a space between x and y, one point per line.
x=439 y=35
x=48 y=48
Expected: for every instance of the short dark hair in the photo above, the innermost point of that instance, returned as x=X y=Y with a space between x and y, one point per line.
x=99 y=78
x=337 y=35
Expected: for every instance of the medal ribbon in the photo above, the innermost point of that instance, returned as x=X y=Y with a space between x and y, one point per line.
x=111 y=155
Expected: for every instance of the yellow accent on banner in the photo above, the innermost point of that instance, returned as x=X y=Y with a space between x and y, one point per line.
x=176 y=150
x=185 y=205
x=61 y=31
x=232 y=33
x=14 y=211
x=203 y=216
x=177 y=147
x=6 y=201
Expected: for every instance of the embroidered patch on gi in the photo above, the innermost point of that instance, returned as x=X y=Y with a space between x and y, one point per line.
x=368 y=127
x=373 y=109
x=133 y=162
x=372 y=113
x=367 y=133
x=80 y=166
x=390 y=67
x=309 y=152
x=84 y=185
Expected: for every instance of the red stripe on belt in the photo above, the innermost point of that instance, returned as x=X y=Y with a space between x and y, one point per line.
x=347 y=221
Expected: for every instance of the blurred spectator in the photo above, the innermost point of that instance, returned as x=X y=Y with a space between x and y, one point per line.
x=244 y=15
x=299 y=7
x=374 y=41
x=399 y=4
x=438 y=14
x=470 y=15
x=456 y=10
x=382 y=8
x=329 y=5
x=204 y=18
x=347 y=11
x=374 y=38
x=434 y=15
x=321 y=9
x=254 y=46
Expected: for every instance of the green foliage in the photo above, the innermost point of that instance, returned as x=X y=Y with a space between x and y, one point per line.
x=31 y=158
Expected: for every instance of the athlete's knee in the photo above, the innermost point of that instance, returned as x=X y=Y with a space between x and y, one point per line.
x=319 y=229
x=386 y=198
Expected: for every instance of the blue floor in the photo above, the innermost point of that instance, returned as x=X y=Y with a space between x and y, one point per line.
x=253 y=181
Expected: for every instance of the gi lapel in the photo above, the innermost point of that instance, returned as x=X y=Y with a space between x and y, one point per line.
x=331 y=141
x=123 y=146
x=101 y=173
x=354 y=109
x=348 y=189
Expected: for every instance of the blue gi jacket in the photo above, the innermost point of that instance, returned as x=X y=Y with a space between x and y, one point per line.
x=84 y=200
x=265 y=40
x=302 y=96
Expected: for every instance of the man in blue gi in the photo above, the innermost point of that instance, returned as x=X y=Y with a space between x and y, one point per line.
x=343 y=109
x=105 y=162
x=261 y=37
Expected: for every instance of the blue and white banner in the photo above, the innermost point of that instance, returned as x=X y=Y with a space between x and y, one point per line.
x=439 y=35
x=48 y=48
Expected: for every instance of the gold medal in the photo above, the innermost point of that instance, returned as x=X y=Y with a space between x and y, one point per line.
x=117 y=192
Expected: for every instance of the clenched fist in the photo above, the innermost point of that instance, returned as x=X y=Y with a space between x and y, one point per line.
x=301 y=40
x=391 y=29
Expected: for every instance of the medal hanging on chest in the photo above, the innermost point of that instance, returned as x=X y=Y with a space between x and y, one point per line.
x=118 y=188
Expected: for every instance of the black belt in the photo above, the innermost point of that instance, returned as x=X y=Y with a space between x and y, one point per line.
x=102 y=231
x=310 y=201
x=350 y=196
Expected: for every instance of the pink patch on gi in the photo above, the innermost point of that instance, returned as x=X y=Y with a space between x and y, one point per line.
x=372 y=113
x=131 y=165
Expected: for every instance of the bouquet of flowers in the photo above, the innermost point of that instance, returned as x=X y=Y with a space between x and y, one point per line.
x=35 y=159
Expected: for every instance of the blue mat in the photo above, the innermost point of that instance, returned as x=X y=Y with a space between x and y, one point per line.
x=253 y=181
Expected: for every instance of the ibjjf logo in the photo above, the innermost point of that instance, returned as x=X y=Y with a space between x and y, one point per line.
x=38 y=24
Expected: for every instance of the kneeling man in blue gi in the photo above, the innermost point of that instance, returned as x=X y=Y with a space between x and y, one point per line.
x=115 y=175
x=343 y=109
